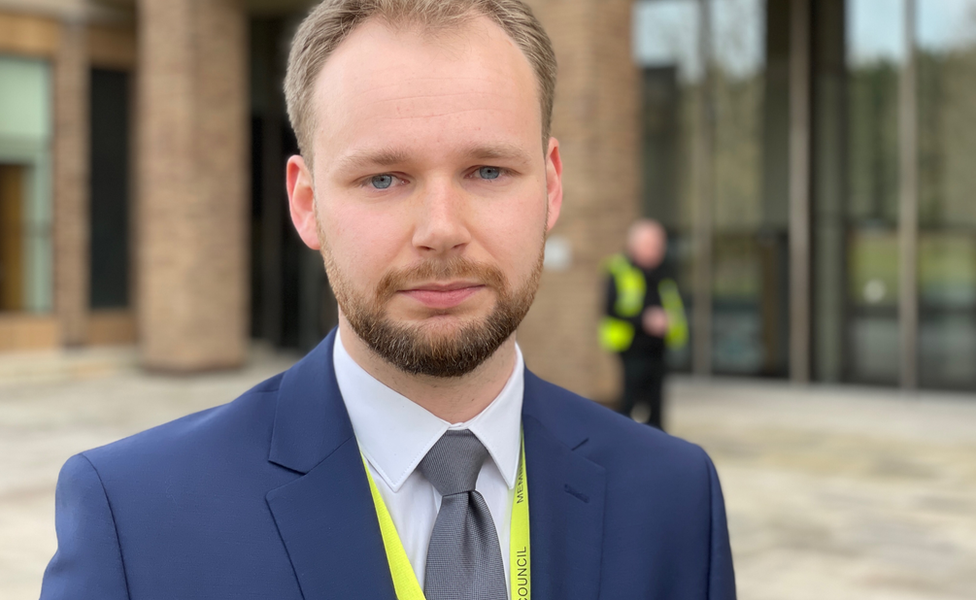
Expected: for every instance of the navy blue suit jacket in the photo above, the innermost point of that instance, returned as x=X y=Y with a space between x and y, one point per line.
x=266 y=497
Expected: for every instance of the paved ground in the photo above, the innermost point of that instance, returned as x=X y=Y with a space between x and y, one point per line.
x=836 y=494
x=841 y=493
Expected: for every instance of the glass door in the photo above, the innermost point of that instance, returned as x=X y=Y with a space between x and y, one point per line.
x=666 y=47
x=715 y=136
x=946 y=56
x=12 y=256
x=26 y=281
x=874 y=59
x=751 y=196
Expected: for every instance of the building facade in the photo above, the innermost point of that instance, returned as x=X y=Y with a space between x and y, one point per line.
x=811 y=158
x=808 y=157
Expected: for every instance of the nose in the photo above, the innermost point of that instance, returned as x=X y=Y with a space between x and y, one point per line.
x=441 y=225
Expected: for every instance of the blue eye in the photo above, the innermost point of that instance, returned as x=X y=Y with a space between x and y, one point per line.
x=489 y=172
x=381 y=182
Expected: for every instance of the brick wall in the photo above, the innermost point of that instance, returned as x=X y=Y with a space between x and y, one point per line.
x=71 y=184
x=192 y=184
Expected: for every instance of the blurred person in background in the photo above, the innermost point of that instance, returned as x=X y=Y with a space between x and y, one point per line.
x=411 y=453
x=643 y=316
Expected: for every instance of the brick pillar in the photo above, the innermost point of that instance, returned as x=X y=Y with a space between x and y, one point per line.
x=192 y=184
x=71 y=184
x=596 y=121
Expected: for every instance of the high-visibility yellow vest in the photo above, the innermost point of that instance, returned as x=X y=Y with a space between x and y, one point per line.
x=677 y=335
x=616 y=335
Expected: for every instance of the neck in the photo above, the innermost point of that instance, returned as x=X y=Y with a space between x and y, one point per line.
x=453 y=399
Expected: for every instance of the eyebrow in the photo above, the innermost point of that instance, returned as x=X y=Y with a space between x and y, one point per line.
x=388 y=157
x=372 y=158
x=502 y=150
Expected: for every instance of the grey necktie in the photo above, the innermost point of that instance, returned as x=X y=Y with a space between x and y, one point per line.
x=464 y=561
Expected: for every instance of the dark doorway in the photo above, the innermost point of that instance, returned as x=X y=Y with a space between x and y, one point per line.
x=292 y=304
x=109 y=189
x=12 y=259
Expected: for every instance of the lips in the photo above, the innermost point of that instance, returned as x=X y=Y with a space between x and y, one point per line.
x=441 y=296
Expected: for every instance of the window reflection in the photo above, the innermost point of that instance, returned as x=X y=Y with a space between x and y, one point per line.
x=26 y=282
x=749 y=134
x=666 y=49
x=750 y=214
x=875 y=53
x=947 y=209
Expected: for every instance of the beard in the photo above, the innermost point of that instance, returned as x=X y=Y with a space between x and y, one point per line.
x=428 y=348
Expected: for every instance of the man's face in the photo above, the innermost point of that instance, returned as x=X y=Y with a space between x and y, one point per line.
x=432 y=191
x=648 y=245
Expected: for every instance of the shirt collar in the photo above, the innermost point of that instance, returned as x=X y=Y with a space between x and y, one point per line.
x=394 y=433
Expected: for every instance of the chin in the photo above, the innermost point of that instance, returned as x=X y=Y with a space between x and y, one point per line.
x=446 y=324
x=422 y=316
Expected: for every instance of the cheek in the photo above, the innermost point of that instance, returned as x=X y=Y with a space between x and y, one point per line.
x=513 y=233
x=363 y=243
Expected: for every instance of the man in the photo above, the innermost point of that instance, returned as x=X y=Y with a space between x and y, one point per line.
x=643 y=314
x=387 y=463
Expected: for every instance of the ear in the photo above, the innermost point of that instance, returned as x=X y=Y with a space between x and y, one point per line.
x=301 y=201
x=554 y=182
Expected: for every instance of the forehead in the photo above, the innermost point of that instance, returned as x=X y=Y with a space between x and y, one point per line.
x=647 y=233
x=470 y=81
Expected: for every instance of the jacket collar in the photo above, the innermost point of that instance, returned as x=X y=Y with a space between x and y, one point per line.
x=311 y=421
x=537 y=404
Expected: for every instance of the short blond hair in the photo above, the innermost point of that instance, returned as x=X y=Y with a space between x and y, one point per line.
x=329 y=23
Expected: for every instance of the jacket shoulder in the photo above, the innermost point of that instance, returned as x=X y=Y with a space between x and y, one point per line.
x=196 y=437
x=611 y=439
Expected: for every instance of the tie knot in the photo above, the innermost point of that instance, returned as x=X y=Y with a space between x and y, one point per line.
x=453 y=464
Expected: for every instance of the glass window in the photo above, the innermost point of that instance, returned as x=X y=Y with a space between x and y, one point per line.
x=749 y=221
x=946 y=54
x=750 y=211
x=875 y=56
x=25 y=185
x=666 y=49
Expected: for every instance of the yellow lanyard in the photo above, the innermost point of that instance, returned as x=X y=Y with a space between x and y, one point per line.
x=405 y=580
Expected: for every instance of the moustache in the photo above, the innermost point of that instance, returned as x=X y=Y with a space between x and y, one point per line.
x=440 y=270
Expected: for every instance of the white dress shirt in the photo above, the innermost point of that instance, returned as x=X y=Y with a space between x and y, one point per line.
x=394 y=434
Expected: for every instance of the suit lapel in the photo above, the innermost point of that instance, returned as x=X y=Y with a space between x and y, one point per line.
x=328 y=524
x=566 y=502
x=325 y=517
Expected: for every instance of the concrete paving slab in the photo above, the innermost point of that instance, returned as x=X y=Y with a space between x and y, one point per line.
x=841 y=492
